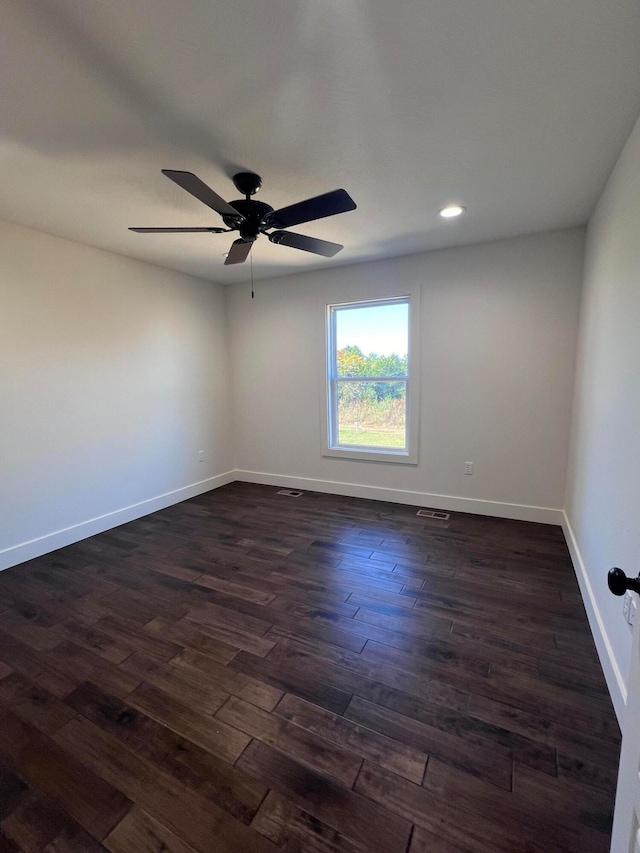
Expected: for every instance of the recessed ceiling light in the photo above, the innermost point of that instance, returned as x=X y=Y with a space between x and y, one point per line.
x=451 y=210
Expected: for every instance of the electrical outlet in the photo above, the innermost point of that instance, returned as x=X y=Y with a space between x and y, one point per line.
x=625 y=606
x=468 y=467
x=201 y=456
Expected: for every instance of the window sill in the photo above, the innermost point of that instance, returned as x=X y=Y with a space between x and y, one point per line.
x=397 y=457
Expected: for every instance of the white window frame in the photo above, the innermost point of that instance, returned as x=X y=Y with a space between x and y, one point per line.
x=407 y=455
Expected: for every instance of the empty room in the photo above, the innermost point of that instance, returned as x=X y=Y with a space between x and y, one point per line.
x=319 y=417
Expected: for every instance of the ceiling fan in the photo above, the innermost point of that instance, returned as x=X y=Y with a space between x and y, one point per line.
x=252 y=218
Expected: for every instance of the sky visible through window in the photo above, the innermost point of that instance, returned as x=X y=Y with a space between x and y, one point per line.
x=376 y=329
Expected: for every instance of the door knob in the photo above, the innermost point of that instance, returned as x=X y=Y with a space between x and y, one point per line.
x=619 y=583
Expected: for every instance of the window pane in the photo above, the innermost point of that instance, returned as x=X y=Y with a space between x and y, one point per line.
x=372 y=414
x=372 y=341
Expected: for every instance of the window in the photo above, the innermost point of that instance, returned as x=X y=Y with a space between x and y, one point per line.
x=369 y=399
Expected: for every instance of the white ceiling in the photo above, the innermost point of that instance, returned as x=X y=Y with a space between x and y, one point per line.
x=516 y=109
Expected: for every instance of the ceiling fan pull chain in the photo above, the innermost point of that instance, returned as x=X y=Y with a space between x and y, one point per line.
x=251 y=262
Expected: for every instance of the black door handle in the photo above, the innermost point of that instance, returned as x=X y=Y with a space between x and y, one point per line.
x=619 y=583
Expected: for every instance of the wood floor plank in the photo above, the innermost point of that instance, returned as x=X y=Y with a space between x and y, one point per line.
x=180 y=683
x=485 y=763
x=80 y=664
x=426 y=654
x=308 y=630
x=472 y=730
x=235 y=589
x=304 y=746
x=391 y=605
x=92 y=802
x=33 y=704
x=41 y=825
x=212 y=777
x=30 y=663
x=509 y=638
x=363 y=630
x=257 y=644
x=140 y=833
x=352 y=576
x=338 y=807
x=375 y=595
x=32 y=600
x=139 y=606
x=564 y=797
x=7 y=845
x=28 y=631
x=491 y=827
x=227 y=786
x=364 y=742
x=158 y=560
x=105 y=645
x=505 y=682
x=450 y=783
x=289 y=597
x=415 y=623
x=217 y=738
x=217 y=616
x=159 y=646
x=294 y=829
x=243 y=686
x=191 y=817
x=594 y=773
x=183 y=636
x=14 y=790
x=294 y=680
x=545 y=729
x=425 y=842
x=368 y=677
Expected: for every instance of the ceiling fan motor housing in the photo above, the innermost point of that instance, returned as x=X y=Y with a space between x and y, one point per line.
x=254 y=213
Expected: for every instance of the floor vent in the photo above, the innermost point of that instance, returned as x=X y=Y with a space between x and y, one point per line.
x=291 y=493
x=433 y=513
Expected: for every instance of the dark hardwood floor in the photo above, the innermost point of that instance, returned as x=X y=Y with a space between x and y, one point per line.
x=251 y=672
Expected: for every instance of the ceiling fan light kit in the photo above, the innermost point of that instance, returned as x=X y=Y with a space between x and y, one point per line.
x=252 y=218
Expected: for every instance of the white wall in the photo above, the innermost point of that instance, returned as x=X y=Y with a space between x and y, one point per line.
x=498 y=336
x=113 y=375
x=603 y=487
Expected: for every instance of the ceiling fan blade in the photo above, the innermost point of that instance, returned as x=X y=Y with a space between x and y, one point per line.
x=307 y=244
x=189 y=182
x=337 y=201
x=178 y=230
x=238 y=252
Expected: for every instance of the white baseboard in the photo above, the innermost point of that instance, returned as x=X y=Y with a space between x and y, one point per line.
x=518 y=512
x=59 y=538
x=615 y=681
